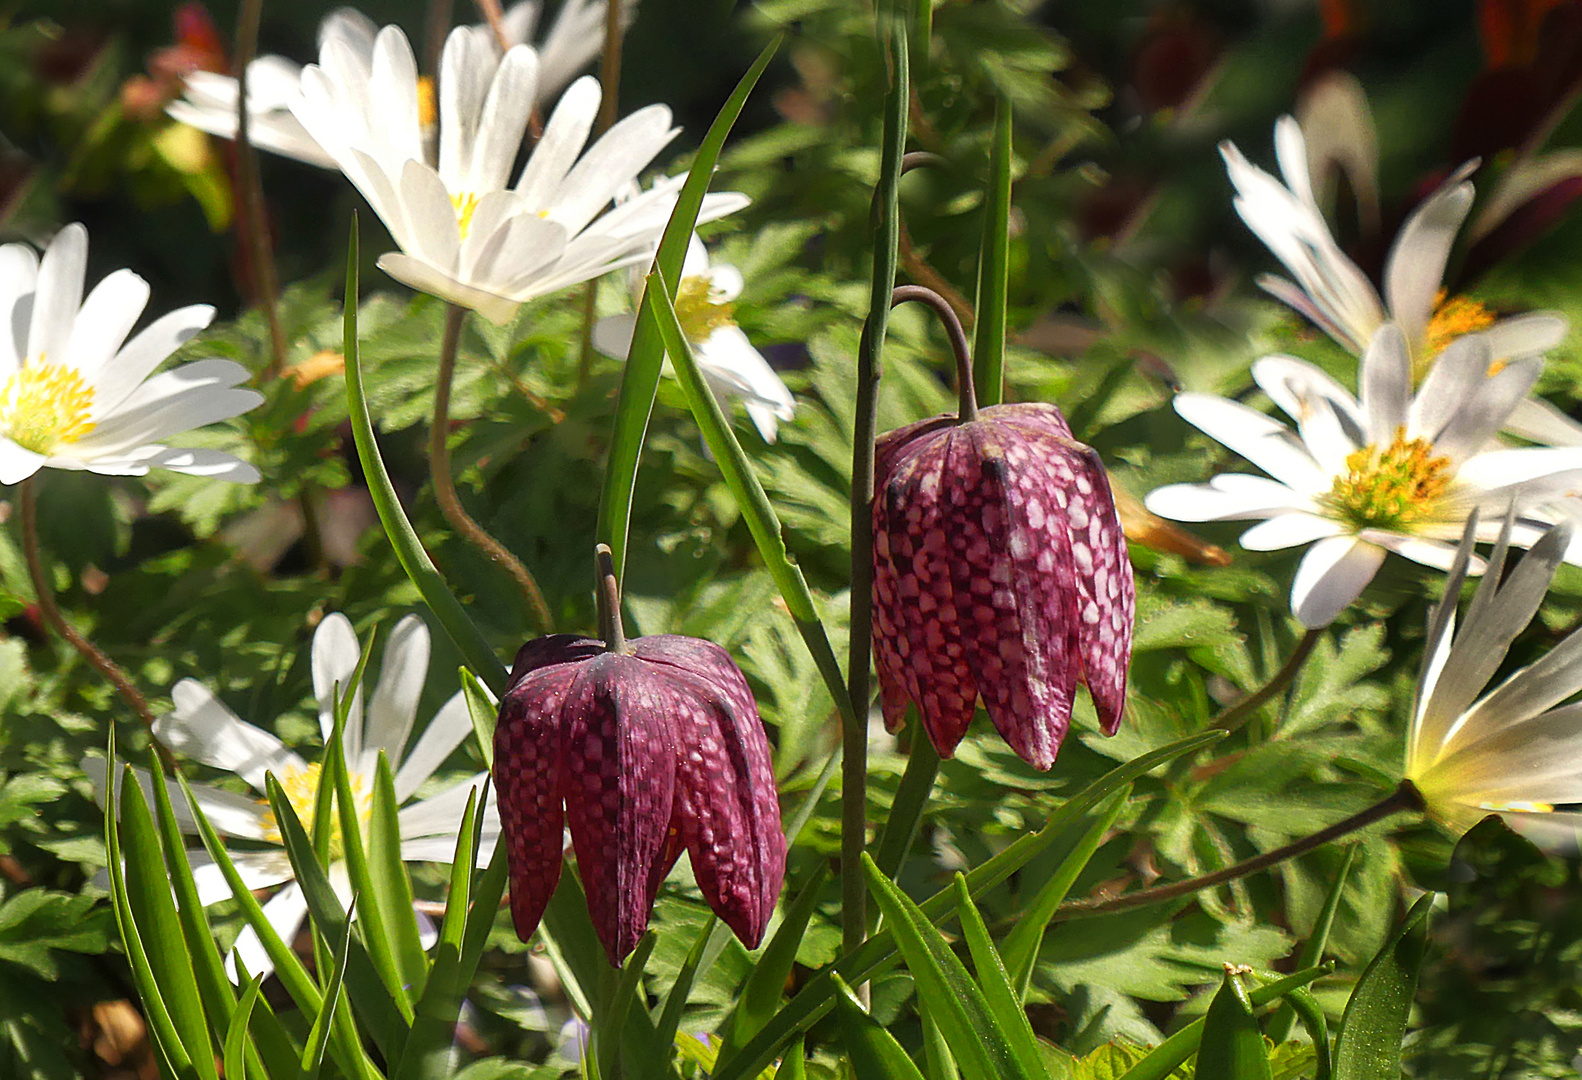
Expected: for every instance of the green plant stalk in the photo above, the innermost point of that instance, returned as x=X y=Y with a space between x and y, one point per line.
x=1285 y=1017
x=1403 y=798
x=1238 y=714
x=994 y=262
x=254 y=226
x=445 y=487
x=906 y=812
x=886 y=216
x=472 y=645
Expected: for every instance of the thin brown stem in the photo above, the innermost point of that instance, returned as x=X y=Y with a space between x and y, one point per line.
x=968 y=407
x=1403 y=798
x=490 y=9
x=1238 y=714
x=445 y=488
x=28 y=497
x=252 y=220
x=608 y=600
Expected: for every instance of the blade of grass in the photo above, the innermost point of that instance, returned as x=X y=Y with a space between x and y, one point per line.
x=467 y=638
x=1369 y=1044
x=238 y=1047
x=389 y=881
x=619 y=1005
x=484 y=711
x=760 y=995
x=873 y=1052
x=640 y=380
x=1313 y=948
x=1232 y=1043
x=994 y=265
x=1004 y=1000
x=675 y=1002
x=319 y=1034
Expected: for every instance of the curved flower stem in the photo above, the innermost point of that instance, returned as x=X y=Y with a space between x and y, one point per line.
x=490 y=10
x=254 y=226
x=445 y=488
x=1238 y=714
x=28 y=497
x=1403 y=798
x=608 y=599
x=968 y=410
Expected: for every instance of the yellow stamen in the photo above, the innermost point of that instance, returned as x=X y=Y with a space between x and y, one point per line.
x=1391 y=487
x=699 y=313
x=45 y=406
x=322 y=364
x=302 y=788
x=427 y=105
x=1453 y=317
x=465 y=203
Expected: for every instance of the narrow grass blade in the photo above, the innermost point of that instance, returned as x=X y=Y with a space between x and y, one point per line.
x=467 y=638
x=1004 y=1000
x=390 y=883
x=1232 y=1043
x=1374 y=1023
x=816 y=997
x=760 y=995
x=153 y=908
x=619 y=1005
x=975 y=1035
x=911 y=798
x=994 y=262
x=484 y=711
x=319 y=1033
x=749 y=494
x=1311 y=1013
x=675 y=1002
x=238 y=1048
x=873 y=1052
x=1025 y=938
x=1313 y=948
x=640 y=380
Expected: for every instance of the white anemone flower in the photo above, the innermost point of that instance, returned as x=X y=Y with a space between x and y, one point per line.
x=1517 y=749
x=274 y=82
x=202 y=728
x=465 y=236
x=76 y=394
x=1389 y=472
x=730 y=363
x=1335 y=294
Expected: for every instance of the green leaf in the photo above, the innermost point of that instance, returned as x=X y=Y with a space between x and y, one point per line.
x=761 y=994
x=976 y=1037
x=319 y=1033
x=1311 y=1013
x=1232 y=1043
x=640 y=380
x=1374 y=1023
x=467 y=638
x=237 y=1044
x=389 y=882
x=994 y=262
x=153 y=909
x=675 y=1002
x=873 y=1052
x=1021 y=944
x=860 y=964
x=1005 y=1000
x=484 y=711
x=1313 y=948
x=620 y=1004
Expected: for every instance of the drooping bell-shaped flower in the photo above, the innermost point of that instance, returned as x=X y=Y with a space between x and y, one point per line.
x=641 y=749
x=1000 y=572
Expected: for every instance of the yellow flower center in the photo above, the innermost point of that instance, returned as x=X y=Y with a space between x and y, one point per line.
x=465 y=203
x=1390 y=487
x=45 y=406
x=302 y=789
x=697 y=310
x=1452 y=318
x=427 y=104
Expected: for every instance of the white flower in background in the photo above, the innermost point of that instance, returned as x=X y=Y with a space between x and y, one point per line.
x=76 y=394
x=730 y=363
x=202 y=728
x=1391 y=472
x=465 y=236
x=1336 y=295
x=1515 y=751
x=274 y=83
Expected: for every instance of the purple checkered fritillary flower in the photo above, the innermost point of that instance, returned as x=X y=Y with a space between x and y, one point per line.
x=641 y=749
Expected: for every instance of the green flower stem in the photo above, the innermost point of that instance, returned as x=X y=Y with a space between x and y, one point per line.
x=28 y=497
x=445 y=488
x=906 y=812
x=1403 y=798
x=1238 y=714
x=967 y=409
x=254 y=228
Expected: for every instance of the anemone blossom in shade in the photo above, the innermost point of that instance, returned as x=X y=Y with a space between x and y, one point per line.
x=202 y=728
x=275 y=83
x=640 y=753
x=1000 y=570
x=1389 y=472
x=1516 y=750
x=730 y=363
x=76 y=394
x=465 y=236
x=1335 y=294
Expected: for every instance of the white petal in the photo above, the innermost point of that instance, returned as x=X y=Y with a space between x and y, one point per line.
x=172 y=402
x=419 y=275
x=1227 y=497
x=335 y=658
x=1435 y=553
x=285 y=912
x=1298 y=387
x=618 y=156
x=202 y=728
x=440 y=815
x=16 y=463
x=731 y=361
x=1486 y=409
x=612 y=335
x=564 y=137
x=230 y=814
x=1498 y=470
x=1385 y=384
x=444 y=733
x=434 y=234
x=1417 y=258
x=58 y=295
x=1454 y=377
x=1288 y=530
x=393 y=706
x=504 y=120
x=1541 y=422
x=121 y=376
x=107 y=316
x=258 y=870
x=1332 y=574
x=1267 y=444
x=18 y=280
x=1526 y=335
